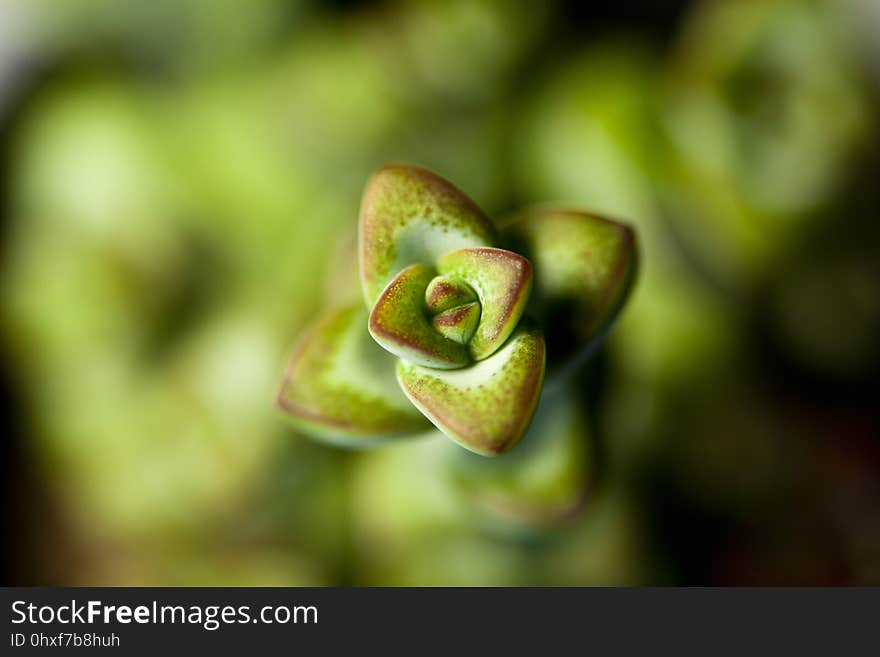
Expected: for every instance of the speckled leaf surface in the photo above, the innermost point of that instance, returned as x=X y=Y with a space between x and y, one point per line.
x=486 y=407
x=458 y=324
x=445 y=293
x=584 y=268
x=502 y=281
x=400 y=323
x=340 y=385
x=410 y=215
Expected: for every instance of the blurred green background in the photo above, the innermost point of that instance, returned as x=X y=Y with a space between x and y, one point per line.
x=180 y=186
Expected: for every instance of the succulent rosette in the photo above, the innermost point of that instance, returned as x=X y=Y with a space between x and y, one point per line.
x=463 y=319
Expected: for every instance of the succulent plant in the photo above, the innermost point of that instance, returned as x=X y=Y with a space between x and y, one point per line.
x=462 y=321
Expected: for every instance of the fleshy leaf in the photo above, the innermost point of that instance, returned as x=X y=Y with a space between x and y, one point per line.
x=458 y=323
x=339 y=384
x=584 y=268
x=412 y=216
x=502 y=280
x=544 y=481
x=445 y=293
x=399 y=323
x=486 y=407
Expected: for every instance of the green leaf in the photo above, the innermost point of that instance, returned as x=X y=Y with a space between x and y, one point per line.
x=399 y=323
x=412 y=216
x=543 y=482
x=486 y=407
x=584 y=269
x=459 y=323
x=445 y=293
x=502 y=280
x=339 y=384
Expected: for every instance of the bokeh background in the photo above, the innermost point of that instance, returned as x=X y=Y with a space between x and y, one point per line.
x=180 y=186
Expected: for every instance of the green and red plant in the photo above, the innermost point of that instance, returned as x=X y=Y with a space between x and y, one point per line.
x=464 y=320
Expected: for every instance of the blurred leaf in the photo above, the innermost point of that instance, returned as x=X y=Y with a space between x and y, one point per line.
x=543 y=483
x=339 y=385
x=584 y=267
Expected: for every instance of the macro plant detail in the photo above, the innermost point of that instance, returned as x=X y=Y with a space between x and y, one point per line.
x=464 y=319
